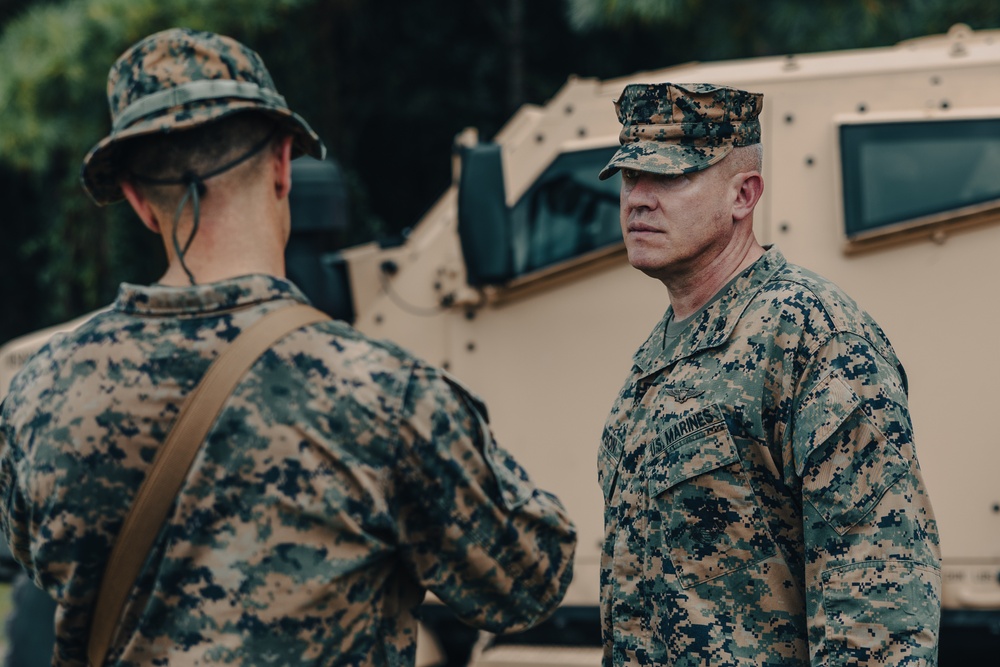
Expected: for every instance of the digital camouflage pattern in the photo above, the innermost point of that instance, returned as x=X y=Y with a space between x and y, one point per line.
x=670 y=128
x=763 y=502
x=183 y=61
x=341 y=480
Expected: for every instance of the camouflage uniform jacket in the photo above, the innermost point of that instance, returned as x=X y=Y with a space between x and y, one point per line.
x=763 y=502
x=341 y=480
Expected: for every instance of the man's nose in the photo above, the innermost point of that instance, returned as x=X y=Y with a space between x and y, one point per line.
x=639 y=193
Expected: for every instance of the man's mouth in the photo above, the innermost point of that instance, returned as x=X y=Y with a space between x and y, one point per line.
x=641 y=227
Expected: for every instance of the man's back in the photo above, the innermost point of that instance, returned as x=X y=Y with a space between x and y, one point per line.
x=334 y=487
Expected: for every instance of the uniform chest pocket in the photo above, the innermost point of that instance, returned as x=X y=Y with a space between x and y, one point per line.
x=703 y=512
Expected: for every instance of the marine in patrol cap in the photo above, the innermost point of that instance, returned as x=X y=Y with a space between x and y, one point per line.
x=671 y=128
x=178 y=79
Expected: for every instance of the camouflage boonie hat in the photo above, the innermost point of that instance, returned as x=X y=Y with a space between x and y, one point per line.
x=671 y=128
x=178 y=79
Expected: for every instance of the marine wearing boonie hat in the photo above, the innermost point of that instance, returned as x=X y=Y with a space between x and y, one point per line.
x=671 y=128
x=178 y=79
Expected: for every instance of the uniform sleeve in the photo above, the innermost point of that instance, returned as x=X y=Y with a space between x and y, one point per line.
x=13 y=515
x=873 y=583
x=476 y=531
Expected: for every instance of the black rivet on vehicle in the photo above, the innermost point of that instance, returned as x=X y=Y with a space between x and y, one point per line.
x=862 y=108
x=810 y=161
x=789 y=118
x=539 y=138
x=569 y=109
x=582 y=132
x=935 y=81
x=378 y=319
x=783 y=228
x=471 y=347
x=996 y=508
x=945 y=104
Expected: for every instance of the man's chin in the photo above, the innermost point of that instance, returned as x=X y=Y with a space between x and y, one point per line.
x=651 y=266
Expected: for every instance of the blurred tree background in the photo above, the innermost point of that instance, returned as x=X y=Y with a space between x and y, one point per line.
x=386 y=84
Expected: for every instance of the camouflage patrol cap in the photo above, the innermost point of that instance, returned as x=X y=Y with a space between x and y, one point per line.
x=670 y=128
x=178 y=79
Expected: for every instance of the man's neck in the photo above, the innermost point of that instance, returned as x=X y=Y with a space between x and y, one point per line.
x=227 y=247
x=692 y=290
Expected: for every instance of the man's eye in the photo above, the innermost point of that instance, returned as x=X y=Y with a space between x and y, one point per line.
x=633 y=175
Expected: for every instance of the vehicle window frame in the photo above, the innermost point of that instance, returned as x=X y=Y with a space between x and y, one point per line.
x=525 y=212
x=934 y=224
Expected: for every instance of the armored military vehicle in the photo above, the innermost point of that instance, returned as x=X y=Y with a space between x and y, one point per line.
x=883 y=174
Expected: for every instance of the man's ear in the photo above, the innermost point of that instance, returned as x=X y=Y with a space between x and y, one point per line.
x=282 y=165
x=141 y=206
x=751 y=187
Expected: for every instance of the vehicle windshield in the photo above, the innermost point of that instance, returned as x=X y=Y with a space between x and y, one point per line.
x=568 y=212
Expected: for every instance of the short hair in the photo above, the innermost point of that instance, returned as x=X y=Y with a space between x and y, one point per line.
x=171 y=155
x=747 y=158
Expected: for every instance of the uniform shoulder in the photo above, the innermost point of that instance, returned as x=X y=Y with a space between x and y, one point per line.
x=383 y=358
x=30 y=352
x=374 y=349
x=796 y=288
x=336 y=349
x=821 y=307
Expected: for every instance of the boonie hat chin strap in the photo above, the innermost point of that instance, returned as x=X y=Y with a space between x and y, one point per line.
x=196 y=188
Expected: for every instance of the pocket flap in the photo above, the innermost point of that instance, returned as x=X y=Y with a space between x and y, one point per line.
x=711 y=448
x=822 y=412
x=846 y=479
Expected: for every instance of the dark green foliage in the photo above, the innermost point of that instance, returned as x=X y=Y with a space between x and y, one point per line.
x=721 y=29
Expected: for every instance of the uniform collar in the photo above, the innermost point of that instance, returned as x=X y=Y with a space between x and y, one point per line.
x=221 y=296
x=715 y=324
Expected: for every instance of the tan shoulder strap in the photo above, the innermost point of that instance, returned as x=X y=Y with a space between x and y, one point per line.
x=173 y=460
